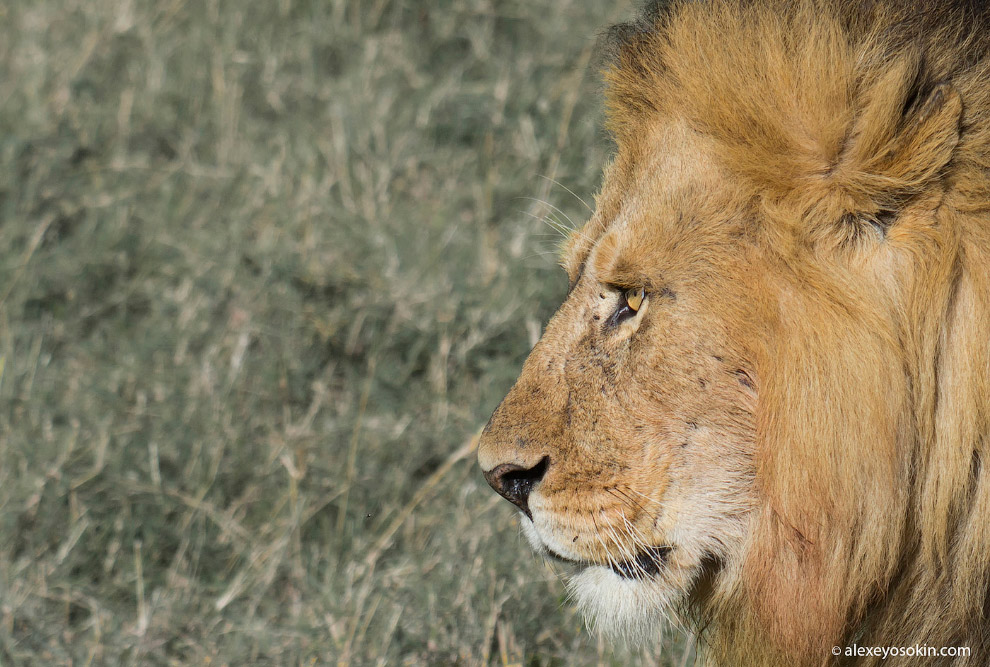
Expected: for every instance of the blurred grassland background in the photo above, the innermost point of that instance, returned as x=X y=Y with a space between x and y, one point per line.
x=265 y=268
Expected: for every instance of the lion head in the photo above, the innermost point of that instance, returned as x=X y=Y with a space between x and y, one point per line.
x=764 y=406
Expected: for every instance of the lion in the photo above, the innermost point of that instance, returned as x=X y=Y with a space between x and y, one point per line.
x=763 y=408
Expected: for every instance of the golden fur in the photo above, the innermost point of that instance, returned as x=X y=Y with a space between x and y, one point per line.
x=799 y=413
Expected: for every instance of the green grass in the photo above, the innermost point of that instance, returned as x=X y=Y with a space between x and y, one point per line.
x=266 y=267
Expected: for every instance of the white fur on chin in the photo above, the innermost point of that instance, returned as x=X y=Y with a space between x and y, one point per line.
x=632 y=609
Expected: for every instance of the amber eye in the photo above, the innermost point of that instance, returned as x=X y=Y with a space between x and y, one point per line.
x=634 y=298
x=630 y=303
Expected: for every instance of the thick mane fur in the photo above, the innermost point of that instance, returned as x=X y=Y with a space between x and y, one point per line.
x=808 y=96
x=874 y=480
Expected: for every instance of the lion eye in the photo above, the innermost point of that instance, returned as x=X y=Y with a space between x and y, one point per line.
x=631 y=301
x=634 y=298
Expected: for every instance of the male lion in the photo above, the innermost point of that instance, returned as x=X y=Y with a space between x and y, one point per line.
x=764 y=406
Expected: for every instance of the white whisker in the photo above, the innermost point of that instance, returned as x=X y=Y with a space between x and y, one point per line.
x=556 y=182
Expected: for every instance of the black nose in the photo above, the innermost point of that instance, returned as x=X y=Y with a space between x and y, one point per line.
x=514 y=482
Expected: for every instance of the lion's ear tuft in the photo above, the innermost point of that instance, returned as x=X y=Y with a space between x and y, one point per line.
x=925 y=147
x=902 y=140
x=898 y=148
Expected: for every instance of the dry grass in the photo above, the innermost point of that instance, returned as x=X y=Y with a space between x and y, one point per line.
x=266 y=268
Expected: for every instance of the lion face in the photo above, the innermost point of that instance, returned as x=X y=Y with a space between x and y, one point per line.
x=627 y=441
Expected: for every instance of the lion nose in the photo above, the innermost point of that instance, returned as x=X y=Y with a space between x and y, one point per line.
x=514 y=482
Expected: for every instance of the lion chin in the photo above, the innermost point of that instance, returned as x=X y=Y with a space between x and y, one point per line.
x=761 y=410
x=624 y=600
x=619 y=607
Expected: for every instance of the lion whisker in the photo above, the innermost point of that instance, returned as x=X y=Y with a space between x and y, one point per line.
x=556 y=182
x=562 y=230
x=571 y=226
x=566 y=230
x=644 y=496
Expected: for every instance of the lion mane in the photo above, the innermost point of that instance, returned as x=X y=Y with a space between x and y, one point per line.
x=764 y=406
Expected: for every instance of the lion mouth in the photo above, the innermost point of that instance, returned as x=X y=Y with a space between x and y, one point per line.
x=647 y=563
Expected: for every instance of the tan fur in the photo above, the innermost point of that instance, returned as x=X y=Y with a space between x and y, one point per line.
x=801 y=409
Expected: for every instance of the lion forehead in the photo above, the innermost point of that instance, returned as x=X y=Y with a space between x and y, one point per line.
x=671 y=184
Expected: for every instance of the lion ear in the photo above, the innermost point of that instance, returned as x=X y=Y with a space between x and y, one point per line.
x=901 y=142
